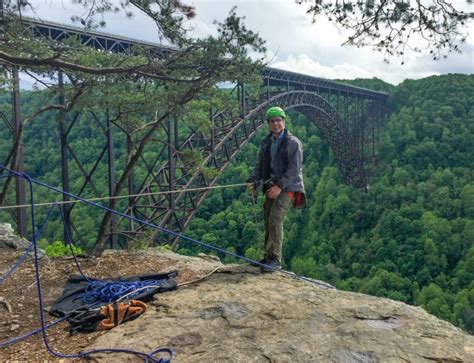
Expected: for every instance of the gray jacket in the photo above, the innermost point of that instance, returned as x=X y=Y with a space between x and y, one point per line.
x=288 y=165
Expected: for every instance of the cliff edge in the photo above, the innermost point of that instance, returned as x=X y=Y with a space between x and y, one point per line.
x=225 y=313
x=238 y=314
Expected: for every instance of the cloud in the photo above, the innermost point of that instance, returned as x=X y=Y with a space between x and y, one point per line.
x=305 y=64
x=294 y=42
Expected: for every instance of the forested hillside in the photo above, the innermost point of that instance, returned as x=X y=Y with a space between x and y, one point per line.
x=409 y=238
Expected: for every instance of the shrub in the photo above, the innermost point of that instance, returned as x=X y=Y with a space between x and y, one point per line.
x=59 y=249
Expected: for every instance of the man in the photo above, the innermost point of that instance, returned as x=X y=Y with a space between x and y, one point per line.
x=280 y=168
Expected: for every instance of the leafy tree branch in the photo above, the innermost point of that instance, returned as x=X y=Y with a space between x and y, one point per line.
x=390 y=26
x=133 y=86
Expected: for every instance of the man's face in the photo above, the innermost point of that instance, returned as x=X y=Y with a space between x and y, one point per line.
x=276 y=124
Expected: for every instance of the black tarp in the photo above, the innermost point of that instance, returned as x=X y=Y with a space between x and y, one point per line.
x=72 y=296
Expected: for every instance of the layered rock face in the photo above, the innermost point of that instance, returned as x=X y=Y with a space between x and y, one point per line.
x=8 y=239
x=239 y=314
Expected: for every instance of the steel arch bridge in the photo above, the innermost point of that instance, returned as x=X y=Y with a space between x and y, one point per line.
x=349 y=118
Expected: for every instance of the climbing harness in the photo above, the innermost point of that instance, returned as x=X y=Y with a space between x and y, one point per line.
x=106 y=317
x=161 y=355
x=81 y=293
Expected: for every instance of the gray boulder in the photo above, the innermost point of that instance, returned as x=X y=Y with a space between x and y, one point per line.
x=8 y=238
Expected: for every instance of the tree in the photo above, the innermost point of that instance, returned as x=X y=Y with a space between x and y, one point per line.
x=392 y=26
x=435 y=301
x=139 y=89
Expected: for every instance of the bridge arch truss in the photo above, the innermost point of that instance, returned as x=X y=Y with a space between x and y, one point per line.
x=349 y=118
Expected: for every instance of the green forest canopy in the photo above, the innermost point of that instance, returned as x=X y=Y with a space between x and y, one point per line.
x=409 y=238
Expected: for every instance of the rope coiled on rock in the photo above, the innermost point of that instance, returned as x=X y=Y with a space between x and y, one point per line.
x=102 y=291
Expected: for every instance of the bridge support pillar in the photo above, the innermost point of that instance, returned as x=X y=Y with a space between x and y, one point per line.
x=242 y=99
x=64 y=162
x=20 y=164
x=268 y=89
x=111 y=171
x=172 y=124
x=130 y=182
x=171 y=162
x=213 y=131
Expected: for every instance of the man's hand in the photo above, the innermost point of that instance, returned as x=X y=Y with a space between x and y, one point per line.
x=274 y=192
x=251 y=189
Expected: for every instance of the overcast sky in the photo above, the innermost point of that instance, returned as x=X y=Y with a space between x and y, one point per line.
x=294 y=43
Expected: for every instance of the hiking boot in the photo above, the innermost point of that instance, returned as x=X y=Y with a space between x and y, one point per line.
x=271 y=266
x=263 y=261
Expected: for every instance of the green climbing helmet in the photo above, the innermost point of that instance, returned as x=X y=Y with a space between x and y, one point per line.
x=275 y=112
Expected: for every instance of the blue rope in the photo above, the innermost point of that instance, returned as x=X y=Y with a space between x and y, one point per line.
x=101 y=291
x=69 y=238
x=28 y=249
x=6 y=176
x=164 y=230
x=148 y=357
x=27 y=335
x=17 y=263
x=175 y=234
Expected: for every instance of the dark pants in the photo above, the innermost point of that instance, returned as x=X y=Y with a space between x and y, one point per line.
x=274 y=211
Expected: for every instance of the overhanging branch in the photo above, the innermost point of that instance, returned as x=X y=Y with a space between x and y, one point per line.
x=148 y=70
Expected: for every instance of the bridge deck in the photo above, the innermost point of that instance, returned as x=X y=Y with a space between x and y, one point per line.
x=273 y=76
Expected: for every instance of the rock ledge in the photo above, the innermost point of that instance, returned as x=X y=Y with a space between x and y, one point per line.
x=238 y=314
